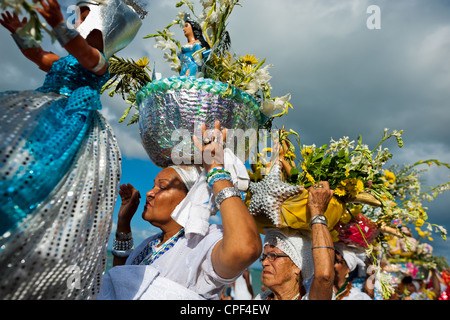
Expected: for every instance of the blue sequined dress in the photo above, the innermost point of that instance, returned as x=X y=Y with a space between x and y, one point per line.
x=187 y=60
x=59 y=172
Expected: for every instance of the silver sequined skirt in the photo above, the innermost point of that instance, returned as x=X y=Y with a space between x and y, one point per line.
x=59 y=250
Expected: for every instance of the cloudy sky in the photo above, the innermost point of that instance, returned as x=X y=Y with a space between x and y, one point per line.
x=345 y=79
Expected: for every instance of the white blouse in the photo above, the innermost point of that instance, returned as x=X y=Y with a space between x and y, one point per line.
x=187 y=264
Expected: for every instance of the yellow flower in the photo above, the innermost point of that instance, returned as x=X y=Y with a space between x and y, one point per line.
x=390 y=176
x=310 y=178
x=248 y=62
x=255 y=176
x=306 y=151
x=290 y=155
x=347 y=172
x=143 y=62
x=430 y=239
x=339 y=191
x=421 y=233
x=419 y=222
x=359 y=186
x=303 y=167
x=352 y=186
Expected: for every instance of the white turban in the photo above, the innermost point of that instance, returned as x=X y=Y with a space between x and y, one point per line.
x=296 y=245
x=352 y=257
x=194 y=211
x=188 y=173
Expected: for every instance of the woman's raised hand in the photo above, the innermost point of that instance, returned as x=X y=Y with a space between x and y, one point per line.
x=51 y=12
x=319 y=196
x=130 y=202
x=211 y=147
x=12 y=22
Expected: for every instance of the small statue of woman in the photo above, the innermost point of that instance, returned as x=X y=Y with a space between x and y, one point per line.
x=195 y=51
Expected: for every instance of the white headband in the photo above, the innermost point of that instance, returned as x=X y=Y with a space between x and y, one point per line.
x=296 y=245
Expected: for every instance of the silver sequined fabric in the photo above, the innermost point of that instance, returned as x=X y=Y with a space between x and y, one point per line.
x=60 y=168
x=59 y=251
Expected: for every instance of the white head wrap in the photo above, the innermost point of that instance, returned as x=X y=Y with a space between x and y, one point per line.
x=352 y=257
x=194 y=211
x=189 y=174
x=296 y=245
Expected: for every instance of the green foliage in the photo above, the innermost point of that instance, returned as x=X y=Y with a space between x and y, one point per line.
x=127 y=78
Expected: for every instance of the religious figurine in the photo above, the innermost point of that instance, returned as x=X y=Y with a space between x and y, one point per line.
x=195 y=52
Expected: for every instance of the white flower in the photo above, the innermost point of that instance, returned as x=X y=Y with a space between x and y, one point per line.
x=180 y=16
x=206 y=3
x=268 y=107
x=170 y=58
x=262 y=75
x=213 y=17
x=165 y=44
x=252 y=87
x=175 y=66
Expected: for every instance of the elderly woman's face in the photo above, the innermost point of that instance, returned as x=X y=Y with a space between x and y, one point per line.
x=168 y=191
x=280 y=271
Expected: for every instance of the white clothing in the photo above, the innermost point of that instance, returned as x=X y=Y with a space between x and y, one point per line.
x=186 y=265
x=239 y=290
x=357 y=294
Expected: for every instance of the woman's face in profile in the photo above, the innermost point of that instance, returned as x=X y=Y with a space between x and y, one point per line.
x=84 y=12
x=278 y=272
x=188 y=32
x=167 y=192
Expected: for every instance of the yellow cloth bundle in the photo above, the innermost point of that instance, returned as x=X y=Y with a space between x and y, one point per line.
x=294 y=214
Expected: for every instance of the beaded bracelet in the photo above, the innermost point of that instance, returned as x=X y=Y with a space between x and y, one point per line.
x=211 y=172
x=218 y=175
x=122 y=249
x=123 y=245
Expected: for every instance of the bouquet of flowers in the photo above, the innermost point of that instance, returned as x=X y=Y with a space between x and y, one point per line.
x=357 y=175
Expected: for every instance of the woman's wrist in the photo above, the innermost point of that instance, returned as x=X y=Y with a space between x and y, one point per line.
x=123 y=227
x=318 y=219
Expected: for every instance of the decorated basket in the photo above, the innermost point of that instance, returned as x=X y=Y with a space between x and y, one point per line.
x=172 y=109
